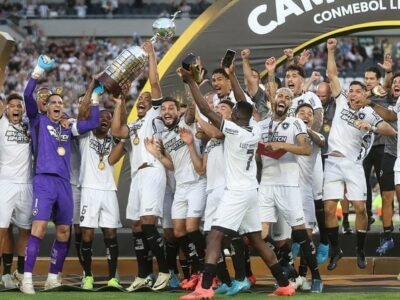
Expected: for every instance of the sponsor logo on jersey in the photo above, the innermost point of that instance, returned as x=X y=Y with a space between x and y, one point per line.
x=20 y=137
x=174 y=144
x=57 y=134
x=348 y=116
x=102 y=147
x=231 y=131
x=134 y=127
x=275 y=138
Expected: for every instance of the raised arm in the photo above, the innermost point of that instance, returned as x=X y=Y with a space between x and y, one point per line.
x=332 y=69
x=119 y=129
x=270 y=66
x=30 y=103
x=215 y=118
x=116 y=153
x=387 y=66
x=252 y=83
x=313 y=78
x=153 y=72
x=93 y=121
x=210 y=130
x=187 y=138
x=237 y=89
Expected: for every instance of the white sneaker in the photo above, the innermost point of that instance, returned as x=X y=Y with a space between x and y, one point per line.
x=18 y=277
x=141 y=282
x=27 y=287
x=306 y=285
x=162 y=281
x=8 y=281
x=52 y=283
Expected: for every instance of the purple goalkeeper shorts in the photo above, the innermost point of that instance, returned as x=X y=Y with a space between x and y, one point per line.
x=52 y=199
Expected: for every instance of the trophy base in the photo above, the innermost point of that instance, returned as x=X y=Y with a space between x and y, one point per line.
x=110 y=85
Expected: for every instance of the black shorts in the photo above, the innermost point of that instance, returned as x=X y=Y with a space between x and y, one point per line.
x=387 y=174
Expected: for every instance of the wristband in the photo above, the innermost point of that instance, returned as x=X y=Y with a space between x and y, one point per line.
x=373 y=129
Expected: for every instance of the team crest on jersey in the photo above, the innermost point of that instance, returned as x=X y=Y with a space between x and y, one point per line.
x=102 y=147
x=57 y=134
x=361 y=116
x=35 y=211
x=300 y=102
x=285 y=125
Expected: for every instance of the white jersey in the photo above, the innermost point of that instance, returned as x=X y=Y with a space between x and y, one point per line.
x=179 y=152
x=240 y=146
x=344 y=137
x=307 y=164
x=284 y=171
x=91 y=174
x=75 y=158
x=307 y=97
x=215 y=164
x=396 y=109
x=147 y=127
x=15 y=152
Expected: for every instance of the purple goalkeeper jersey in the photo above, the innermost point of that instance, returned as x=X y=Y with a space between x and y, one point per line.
x=48 y=137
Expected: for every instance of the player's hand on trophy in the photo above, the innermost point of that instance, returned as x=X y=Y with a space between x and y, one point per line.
x=148 y=48
x=186 y=136
x=44 y=64
x=98 y=90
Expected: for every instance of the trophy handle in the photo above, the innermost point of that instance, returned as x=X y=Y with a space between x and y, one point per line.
x=175 y=15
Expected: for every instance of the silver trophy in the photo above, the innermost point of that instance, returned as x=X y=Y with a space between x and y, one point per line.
x=132 y=61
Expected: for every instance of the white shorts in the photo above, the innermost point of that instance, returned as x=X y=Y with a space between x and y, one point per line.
x=99 y=209
x=284 y=200
x=397 y=172
x=146 y=195
x=189 y=200
x=308 y=207
x=76 y=196
x=238 y=212
x=341 y=172
x=15 y=204
x=213 y=199
x=168 y=199
x=280 y=230
x=318 y=178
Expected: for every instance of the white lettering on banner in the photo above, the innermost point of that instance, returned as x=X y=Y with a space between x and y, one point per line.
x=351 y=9
x=287 y=8
x=284 y=8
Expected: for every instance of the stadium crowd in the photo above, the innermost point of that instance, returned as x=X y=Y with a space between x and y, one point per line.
x=196 y=160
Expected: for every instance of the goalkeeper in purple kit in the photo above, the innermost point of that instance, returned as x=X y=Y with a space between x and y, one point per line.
x=52 y=195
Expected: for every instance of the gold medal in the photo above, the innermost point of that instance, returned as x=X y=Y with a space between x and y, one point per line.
x=326 y=128
x=199 y=135
x=101 y=165
x=61 y=150
x=136 y=140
